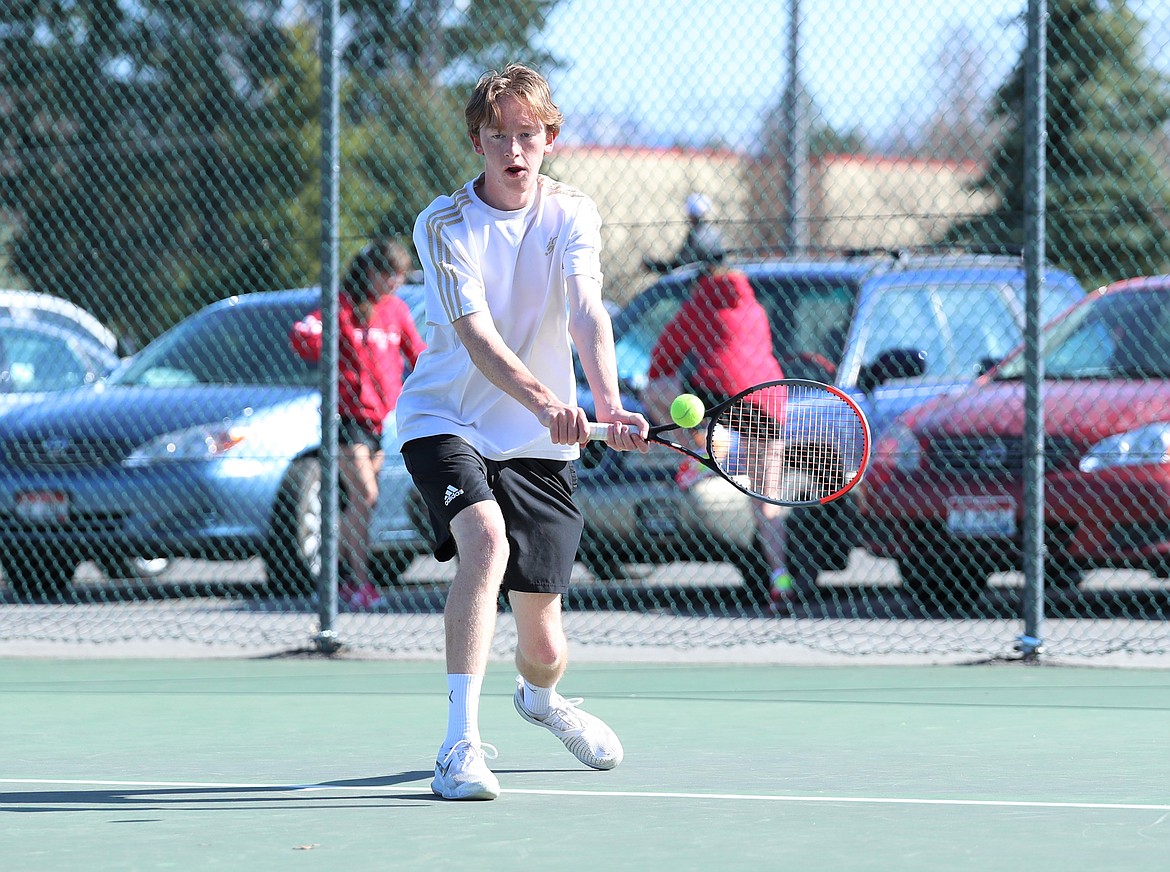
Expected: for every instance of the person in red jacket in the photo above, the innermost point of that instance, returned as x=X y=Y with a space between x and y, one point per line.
x=718 y=344
x=376 y=337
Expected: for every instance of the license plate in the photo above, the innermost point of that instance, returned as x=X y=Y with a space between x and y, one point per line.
x=981 y=516
x=656 y=519
x=43 y=506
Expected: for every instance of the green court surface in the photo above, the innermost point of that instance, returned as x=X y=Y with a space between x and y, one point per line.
x=290 y=764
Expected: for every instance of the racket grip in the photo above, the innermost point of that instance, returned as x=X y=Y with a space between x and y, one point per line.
x=598 y=432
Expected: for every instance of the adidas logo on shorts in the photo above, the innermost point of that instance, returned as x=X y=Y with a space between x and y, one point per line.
x=451 y=493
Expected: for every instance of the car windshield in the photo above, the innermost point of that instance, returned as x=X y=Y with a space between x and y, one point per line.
x=637 y=328
x=959 y=325
x=956 y=325
x=32 y=361
x=237 y=344
x=1122 y=335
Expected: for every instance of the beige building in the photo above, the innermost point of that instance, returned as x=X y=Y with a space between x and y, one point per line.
x=640 y=193
x=854 y=201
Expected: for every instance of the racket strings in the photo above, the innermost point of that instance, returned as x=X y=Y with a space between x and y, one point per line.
x=793 y=458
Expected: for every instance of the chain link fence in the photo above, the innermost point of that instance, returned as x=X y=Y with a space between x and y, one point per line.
x=867 y=164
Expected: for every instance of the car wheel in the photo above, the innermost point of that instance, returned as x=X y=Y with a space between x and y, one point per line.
x=134 y=567
x=37 y=574
x=946 y=580
x=292 y=554
x=757 y=575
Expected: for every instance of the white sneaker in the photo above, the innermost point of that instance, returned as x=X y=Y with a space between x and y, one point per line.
x=463 y=772
x=589 y=738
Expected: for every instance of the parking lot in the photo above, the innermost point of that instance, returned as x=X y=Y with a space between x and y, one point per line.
x=868 y=585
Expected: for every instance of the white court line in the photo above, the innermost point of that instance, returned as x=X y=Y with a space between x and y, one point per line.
x=627 y=794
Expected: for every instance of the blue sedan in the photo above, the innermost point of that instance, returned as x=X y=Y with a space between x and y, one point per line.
x=204 y=444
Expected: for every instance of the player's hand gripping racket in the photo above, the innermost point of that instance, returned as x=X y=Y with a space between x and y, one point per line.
x=791 y=442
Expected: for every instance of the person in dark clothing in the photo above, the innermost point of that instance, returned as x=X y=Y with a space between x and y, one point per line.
x=703 y=244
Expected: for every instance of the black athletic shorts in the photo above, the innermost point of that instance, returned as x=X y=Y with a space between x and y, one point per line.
x=535 y=496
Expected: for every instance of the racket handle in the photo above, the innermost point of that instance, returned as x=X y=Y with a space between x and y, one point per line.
x=598 y=432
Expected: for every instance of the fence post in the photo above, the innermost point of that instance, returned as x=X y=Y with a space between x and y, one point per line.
x=326 y=639
x=1035 y=255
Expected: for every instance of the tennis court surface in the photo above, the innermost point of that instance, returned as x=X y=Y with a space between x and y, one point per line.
x=285 y=764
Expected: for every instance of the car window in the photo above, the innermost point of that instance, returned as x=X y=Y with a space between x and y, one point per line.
x=227 y=345
x=1121 y=335
x=34 y=362
x=958 y=326
x=638 y=336
x=901 y=318
x=30 y=306
x=978 y=324
x=1059 y=295
x=807 y=316
x=1085 y=353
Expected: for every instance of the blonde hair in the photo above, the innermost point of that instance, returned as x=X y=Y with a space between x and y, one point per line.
x=529 y=86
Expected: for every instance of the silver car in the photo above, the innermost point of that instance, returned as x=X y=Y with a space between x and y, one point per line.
x=204 y=444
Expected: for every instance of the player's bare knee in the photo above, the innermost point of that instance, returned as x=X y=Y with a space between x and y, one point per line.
x=540 y=657
x=481 y=532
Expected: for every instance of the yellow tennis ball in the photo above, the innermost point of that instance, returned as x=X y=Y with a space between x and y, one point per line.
x=687 y=410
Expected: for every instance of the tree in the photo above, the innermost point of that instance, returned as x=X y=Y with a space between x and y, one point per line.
x=407 y=67
x=1106 y=206
x=437 y=43
x=160 y=154
x=823 y=138
x=131 y=136
x=956 y=128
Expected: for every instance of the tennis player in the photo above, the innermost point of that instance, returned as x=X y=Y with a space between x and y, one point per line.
x=489 y=421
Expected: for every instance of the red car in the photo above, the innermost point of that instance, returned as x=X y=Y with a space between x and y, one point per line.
x=944 y=493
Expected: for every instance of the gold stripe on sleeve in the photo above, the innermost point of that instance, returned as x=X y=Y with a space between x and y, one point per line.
x=440 y=252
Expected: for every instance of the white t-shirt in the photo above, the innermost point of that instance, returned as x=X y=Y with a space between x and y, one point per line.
x=512 y=265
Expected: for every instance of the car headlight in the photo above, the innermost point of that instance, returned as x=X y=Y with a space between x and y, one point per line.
x=1144 y=446
x=201 y=442
x=899 y=448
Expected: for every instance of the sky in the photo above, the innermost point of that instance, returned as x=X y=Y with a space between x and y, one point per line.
x=696 y=69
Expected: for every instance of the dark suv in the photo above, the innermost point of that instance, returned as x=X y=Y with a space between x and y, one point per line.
x=891 y=330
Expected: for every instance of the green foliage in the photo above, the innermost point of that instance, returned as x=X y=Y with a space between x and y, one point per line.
x=160 y=154
x=140 y=132
x=434 y=40
x=1106 y=105
x=399 y=152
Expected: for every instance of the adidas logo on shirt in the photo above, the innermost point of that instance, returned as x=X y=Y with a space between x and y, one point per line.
x=451 y=493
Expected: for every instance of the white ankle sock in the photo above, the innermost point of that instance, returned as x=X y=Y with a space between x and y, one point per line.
x=463 y=709
x=538 y=700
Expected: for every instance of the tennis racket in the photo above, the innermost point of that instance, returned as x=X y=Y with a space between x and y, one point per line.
x=791 y=442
